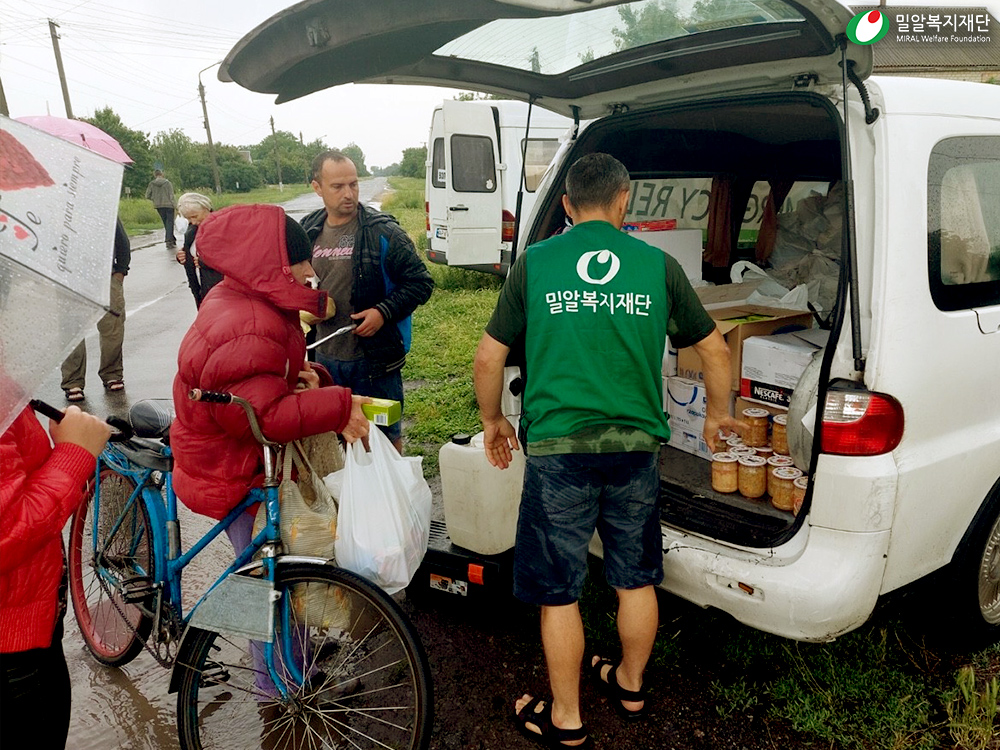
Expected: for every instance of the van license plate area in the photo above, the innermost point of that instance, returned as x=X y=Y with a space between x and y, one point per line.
x=441 y=233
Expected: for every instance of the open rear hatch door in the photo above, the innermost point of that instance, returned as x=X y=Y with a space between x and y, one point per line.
x=594 y=55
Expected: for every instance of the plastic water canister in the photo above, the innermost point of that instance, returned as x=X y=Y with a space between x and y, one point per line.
x=480 y=500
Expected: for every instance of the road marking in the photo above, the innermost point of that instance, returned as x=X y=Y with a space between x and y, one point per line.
x=154 y=301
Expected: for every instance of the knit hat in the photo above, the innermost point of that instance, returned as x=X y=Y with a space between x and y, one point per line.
x=297 y=243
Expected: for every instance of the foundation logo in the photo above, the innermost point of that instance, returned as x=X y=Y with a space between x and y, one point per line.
x=604 y=258
x=868 y=27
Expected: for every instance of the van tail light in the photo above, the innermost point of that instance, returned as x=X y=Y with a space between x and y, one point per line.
x=427 y=215
x=507 y=227
x=860 y=423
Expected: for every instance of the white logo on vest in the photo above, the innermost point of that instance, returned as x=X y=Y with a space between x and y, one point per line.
x=603 y=257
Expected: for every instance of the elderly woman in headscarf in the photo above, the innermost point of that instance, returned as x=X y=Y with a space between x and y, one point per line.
x=195 y=207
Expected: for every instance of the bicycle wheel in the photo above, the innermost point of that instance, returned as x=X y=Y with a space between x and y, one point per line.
x=364 y=680
x=113 y=630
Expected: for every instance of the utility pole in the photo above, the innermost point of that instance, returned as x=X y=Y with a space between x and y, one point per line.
x=208 y=131
x=3 y=102
x=277 y=159
x=62 y=73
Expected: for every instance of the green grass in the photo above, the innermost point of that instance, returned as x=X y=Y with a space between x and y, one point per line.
x=138 y=214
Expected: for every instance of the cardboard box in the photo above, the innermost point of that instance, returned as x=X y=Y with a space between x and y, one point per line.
x=684 y=245
x=726 y=295
x=689 y=442
x=686 y=404
x=737 y=324
x=383 y=411
x=772 y=365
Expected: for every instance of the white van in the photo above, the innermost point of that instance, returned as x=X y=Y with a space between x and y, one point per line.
x=904 y=400
x=474 y=175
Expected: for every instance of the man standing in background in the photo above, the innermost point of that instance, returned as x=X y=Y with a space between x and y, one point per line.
x=368 y=265
x=111 y=328
x=161 y=192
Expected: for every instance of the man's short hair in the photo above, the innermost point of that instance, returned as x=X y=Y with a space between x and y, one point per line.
x=158 y=173
x=596 y=181
x=322 y=158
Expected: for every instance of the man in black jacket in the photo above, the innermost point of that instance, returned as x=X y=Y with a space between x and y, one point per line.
x=111 y=329
x=372 y=272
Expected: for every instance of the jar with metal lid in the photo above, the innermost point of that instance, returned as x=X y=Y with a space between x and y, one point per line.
x=779 y=434
x=734 y=440
x=743 y=450
x=765 y=451
x=756 y=421
x=725 y=472
x=752 y=476
x=783 y=479
x=775 y=462
x=799 y=487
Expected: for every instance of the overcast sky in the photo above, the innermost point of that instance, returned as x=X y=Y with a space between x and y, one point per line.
x=142 y=58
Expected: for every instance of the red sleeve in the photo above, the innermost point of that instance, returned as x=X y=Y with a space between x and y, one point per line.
x=41 y=487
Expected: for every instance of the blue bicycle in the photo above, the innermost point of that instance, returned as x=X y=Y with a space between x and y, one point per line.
x=280 y=652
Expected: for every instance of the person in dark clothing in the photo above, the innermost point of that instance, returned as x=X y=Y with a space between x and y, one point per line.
x=161 y=192
x=111 y=328
x=370 y=268
x=195 y=207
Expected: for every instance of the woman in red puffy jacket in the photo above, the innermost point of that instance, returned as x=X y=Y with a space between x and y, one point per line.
x=247 y=340
x=41 y=487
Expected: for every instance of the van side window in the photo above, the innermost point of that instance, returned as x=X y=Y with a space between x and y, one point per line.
x=963 y=222
x=473 y=168
x=437 y=163
x=538 y=153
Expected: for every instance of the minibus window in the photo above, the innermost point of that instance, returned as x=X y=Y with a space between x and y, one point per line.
x=537 y=156
x=437 y=164
x=963 y=222
x=473 y=169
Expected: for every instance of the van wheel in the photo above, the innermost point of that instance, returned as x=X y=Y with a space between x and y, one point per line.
x=977 y=580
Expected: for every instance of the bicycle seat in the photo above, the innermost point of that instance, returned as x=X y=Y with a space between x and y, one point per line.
x=151 y=418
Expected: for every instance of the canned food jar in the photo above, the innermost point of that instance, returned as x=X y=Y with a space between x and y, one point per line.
x=725 y=472
x=752 y=476
x=765 y=452
x=775 y=462
x=743 y=450
x=756 y=420
x=783 y=480
x=799 y=487
x=734 y=440
x=779 y=434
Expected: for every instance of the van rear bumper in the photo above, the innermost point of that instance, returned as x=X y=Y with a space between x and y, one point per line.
x=820 y=585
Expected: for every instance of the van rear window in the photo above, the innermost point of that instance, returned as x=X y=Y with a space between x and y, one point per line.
x=538 y=153
x=473 y=167
x=963 y=222
x=437 y=163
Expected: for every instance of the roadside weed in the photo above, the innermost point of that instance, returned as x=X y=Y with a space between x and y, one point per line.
x=972 y=712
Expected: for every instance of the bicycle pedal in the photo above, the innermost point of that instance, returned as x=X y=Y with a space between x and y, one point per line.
x=138 y=590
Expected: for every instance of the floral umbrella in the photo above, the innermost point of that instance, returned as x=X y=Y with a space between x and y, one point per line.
x=58 y=206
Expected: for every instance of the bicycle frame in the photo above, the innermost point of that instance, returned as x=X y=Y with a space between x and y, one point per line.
x=169 y=562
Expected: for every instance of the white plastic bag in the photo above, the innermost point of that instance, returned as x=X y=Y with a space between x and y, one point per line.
x=385 y=513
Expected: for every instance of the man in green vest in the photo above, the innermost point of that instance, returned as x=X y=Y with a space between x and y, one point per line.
x=594 y=306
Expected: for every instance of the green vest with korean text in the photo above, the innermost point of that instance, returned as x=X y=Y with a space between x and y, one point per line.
x=597 y=313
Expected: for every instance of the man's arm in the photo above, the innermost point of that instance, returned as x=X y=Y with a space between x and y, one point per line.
x=715 y=364
x=499 y=438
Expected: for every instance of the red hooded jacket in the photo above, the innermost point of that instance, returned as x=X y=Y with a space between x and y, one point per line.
x=40 y=487
x=245 y=340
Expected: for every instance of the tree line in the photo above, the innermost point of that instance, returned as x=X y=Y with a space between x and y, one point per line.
x=188 y=164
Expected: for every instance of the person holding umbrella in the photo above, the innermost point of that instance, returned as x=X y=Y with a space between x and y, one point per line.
x=42 y=487
x=111 y=329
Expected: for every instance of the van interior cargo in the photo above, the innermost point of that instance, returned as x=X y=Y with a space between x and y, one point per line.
x=768 y=144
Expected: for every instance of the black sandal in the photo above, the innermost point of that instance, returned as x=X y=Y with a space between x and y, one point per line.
x=616 y=693
x=548 y=734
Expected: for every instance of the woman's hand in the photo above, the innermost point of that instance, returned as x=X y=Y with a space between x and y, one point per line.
x=358 y=425
x=181 y=257
x=308 y=379
x=79 y=428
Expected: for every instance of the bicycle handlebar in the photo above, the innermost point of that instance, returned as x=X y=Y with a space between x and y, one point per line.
x=215 y=397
